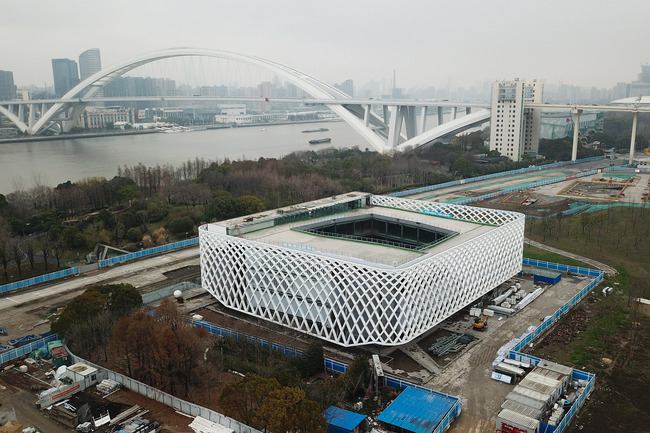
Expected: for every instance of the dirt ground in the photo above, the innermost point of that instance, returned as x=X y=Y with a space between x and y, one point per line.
x=621 y=401
x=543 y=204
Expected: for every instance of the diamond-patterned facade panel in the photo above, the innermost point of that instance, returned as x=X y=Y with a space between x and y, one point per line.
x=351 y=303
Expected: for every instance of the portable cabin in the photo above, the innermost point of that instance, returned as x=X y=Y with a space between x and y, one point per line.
x=83 y=374
x=343 y=421
x=60 y=356
x=522 y=409
x=513 y=422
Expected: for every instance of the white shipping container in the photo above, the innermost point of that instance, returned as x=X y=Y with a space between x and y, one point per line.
x=508 y=419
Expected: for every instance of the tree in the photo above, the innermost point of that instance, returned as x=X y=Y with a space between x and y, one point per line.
x=244 y=397
x=181 y=225
x=249 y=204
x=31 y=253
x=46 y=248
x=311 y=361
x=83 y=307
x=222 y=206
x=124 y=299
x=5 y=256
x=289 y=410
x=463 y=167
x=18 y=256
x=58 y=245
x=143 y=217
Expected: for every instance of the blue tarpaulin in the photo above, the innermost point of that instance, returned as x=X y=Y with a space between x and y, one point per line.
x=417 y=411
x=341 y=420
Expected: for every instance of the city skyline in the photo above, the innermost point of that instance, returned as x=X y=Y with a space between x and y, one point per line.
x=426 y=44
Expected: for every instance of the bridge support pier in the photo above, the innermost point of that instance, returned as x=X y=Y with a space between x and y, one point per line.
x=576 y=134
x=635 y=119
x=423 y=120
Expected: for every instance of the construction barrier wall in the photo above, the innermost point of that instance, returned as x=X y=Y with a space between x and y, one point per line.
x=524 y=186
x=40 y=279
x=224 y=332
x=167 y=399
x=102 y=263
x=549 y=321
x=12 y=354
x=489 y=176
x=148 y=252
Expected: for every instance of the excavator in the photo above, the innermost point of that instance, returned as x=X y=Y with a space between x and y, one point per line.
x=480 y=324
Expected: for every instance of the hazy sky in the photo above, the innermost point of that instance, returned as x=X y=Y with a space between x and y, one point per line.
x=428 y=43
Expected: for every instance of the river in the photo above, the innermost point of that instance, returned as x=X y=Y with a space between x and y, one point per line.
x=50 y=162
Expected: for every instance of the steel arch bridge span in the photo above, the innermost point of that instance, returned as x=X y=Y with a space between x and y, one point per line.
x=67 y=110
x=454 y=126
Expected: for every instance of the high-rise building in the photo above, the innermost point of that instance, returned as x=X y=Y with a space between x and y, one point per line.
x=90 y=63
x=641 y=87
x=514 y=130
x=66 y=75
x=347 y=87
x=7 y=86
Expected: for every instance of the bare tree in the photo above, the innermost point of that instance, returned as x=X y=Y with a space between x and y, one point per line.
x=31 y=252
x=17 y=255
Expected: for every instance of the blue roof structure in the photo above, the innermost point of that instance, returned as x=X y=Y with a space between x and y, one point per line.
x=417 y=411
x=341 y=420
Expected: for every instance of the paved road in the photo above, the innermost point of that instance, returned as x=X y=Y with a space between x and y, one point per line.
x=468 y=376
x=26 y=312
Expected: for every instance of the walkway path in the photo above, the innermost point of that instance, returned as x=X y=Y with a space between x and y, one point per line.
x=598 y=265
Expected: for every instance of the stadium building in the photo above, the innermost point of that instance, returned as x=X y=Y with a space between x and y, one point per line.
x=360 y=269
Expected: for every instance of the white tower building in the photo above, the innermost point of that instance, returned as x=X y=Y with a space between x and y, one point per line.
x=514 y=130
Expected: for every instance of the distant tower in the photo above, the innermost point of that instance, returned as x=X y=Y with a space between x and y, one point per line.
x=66 y=75
x=90 y=63
x=514 y=130
x=346 y=87
x=7 y=86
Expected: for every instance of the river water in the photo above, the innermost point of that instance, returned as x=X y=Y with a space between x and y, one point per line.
x=50 y=162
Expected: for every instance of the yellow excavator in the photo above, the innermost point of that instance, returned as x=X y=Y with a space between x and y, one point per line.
x=480 y=324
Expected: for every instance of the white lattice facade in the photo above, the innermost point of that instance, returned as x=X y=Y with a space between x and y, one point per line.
x=349 y=301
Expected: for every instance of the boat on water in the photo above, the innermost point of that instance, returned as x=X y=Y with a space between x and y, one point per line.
x=316 y=130
x=320 y=141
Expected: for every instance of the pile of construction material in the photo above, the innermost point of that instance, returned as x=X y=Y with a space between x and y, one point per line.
x=107 y=386
x=453 y=343
x=478 y=312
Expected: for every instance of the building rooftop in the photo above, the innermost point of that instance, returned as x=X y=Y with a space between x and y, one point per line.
x=344 y=419
x=417 y=411
x=378 y=251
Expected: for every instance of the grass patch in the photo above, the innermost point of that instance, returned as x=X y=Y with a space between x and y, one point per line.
x=532 y=252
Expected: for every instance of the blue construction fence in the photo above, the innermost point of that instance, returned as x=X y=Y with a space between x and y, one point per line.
x=40 y=279
x=529 y=185
x=548 y=322
x=225 y=332
x=564 y=212
x=589 y=378
x=490 y=176
x=28 y=348
x=562 y=268
x=148 y=252
x=102 y=263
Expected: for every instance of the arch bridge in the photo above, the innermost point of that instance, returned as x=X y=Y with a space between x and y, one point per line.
x=401 y=125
